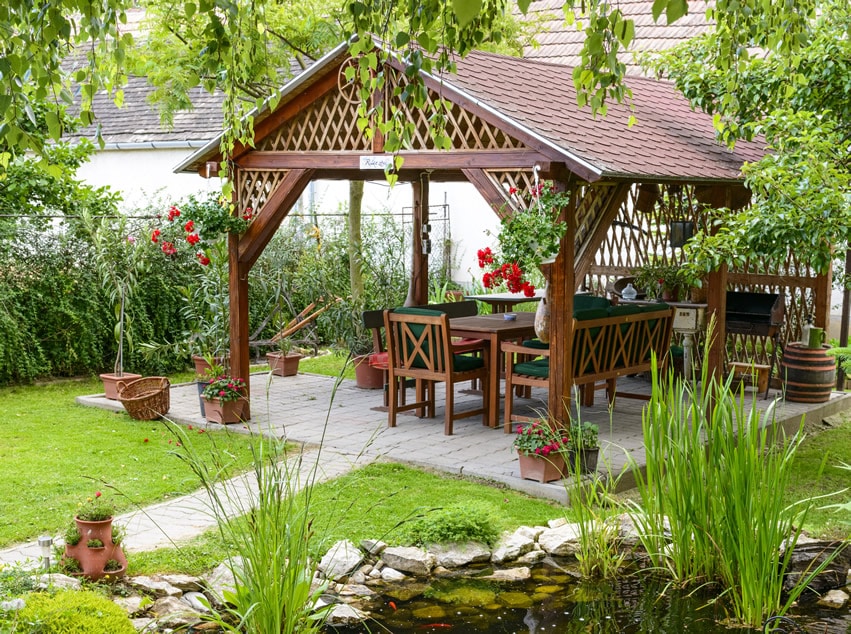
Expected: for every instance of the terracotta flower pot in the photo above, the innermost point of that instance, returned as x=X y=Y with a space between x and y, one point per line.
x=201 y=365
x=110 y=383
x=283 y=364
x=367 y=376
x=542 y=468
x=224 y=412
x=93 y=560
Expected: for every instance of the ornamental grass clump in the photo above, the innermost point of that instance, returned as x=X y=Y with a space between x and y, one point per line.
x=540 y=438
x=225 y=388
x=711 y=507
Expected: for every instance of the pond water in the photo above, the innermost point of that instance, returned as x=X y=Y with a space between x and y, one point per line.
x=555 y=600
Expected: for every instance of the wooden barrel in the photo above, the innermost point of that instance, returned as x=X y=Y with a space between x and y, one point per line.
x=809 y=374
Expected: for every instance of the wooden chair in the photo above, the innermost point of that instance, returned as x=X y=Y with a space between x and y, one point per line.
x=419 y=344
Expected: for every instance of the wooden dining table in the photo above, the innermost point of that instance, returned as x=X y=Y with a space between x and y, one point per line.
x=494 y=329
x=505 y=302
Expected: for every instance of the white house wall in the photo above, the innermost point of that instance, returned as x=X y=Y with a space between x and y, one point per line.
x=146 y=182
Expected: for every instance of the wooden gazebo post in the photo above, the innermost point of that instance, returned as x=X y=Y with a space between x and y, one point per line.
x=418 y=284
x=562 y=284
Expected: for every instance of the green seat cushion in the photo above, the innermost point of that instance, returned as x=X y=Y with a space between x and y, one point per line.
x=677 y=352
x=590 y=313
x=465 y=363
x=584 y=302
x=539 y=368
x=537 y=344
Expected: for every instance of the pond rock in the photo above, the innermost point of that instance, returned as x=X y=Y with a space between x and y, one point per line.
x=391 y=574
x=509 y=574
x=173 y=612
x=513 y=545
x=562 y=540
x=808 y=554
x=455 y=555
x=409 y=559
x=834 y=599
x=154 y=586
x=221 y=580
x=132 y=605
x=58 y=582
x=345 y=615
x=340 y=560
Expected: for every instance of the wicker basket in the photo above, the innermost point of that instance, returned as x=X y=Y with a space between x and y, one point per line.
x=146 y=398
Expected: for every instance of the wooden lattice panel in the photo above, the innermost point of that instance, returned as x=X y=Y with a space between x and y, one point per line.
x=255 y=187
x=637 y=236
x=330 y=123
x=465 y=130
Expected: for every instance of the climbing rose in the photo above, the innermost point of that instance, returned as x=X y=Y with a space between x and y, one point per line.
x=155 y=236
x=193 y=238
x=189 y=227
x=203 y=259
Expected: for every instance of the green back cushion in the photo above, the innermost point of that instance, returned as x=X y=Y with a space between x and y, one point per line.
x=625 y=309
x=417 y=329
x=590 y=313
x=584 y=302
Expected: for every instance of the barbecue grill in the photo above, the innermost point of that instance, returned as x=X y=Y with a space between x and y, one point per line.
x=756 y=314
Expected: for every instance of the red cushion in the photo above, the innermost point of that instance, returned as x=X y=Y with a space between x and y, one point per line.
x=466 y=344
x=379 y=360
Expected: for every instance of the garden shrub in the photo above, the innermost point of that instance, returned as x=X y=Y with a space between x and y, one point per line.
x=74 y=612
x=457 y=523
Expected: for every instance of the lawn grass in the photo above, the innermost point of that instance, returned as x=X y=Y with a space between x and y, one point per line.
x=327 y=364
x=816 y=472
x=55 y=453
x=374 y=502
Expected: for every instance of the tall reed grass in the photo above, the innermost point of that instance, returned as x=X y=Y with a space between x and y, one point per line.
x=711 y=500
x=265 y=518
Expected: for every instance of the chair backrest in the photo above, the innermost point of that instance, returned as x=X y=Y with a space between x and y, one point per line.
x=374 y=319
x=418 y=342
x=467 y=308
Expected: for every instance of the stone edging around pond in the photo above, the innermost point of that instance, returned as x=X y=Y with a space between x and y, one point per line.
x=353 y=572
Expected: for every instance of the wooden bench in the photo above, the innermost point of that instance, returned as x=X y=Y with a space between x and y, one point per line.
x=607 y=343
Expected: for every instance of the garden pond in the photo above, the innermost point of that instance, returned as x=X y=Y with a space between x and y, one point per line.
x=555 y=599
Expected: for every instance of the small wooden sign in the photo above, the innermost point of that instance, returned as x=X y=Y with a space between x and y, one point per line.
x=378 y=162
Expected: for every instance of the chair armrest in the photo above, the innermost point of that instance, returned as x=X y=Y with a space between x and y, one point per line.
x=516 y=348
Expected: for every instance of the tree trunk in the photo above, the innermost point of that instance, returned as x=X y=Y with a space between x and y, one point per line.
x=355 y=245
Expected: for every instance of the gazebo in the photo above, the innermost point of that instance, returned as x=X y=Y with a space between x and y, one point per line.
x=507 y=116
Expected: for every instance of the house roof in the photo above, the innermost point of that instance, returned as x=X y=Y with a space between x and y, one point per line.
x=536 y=100
x=670 y=140
x=561 y=44
x=137 y=122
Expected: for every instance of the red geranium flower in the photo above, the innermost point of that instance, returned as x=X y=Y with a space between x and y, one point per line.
x=189 y=227
x=193 y=238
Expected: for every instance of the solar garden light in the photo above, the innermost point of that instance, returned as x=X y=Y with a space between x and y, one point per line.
x=45 y=542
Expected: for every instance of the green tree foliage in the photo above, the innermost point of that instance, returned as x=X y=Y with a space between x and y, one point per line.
x=237 y=47
x=798 y=100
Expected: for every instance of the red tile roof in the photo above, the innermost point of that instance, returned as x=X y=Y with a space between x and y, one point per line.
x=560 y=43
x=668 y=141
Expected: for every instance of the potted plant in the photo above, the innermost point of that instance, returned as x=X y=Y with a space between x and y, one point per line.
x=658 y=278
x=284 y=361
x=224 y=399
x=584 y=447
x=118 y=259
x=528 y=237
x=541 y=449
x=92 y=543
